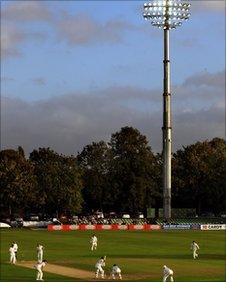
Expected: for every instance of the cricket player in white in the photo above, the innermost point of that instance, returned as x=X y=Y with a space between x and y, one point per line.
x=194 y=248
x=40 y=249
x=99 y=267
x=12 y=255
x=15 y=247
x=39 y=266
x=93 y=242
x=167 y=272
x=115 y=271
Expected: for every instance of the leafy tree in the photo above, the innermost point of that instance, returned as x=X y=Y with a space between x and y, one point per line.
x=59 y=181
x=199 y=176
x=94 y=162
x=18 y=183
x=134 y=172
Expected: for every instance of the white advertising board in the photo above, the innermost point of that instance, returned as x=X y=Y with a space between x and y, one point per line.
x=213 y=227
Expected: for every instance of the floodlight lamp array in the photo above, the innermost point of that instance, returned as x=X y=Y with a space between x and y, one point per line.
x=166 y=14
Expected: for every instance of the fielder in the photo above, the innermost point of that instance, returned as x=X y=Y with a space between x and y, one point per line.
x=15 y=247
x=167 y=272
x=194 y=248
x=40 y=249
x=99 y=267
x=12 y=255
x=115 y=271
x=93 y=242
x=39 y=267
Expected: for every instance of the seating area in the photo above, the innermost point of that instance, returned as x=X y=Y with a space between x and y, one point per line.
x=91 y=220
x=140 y=221
x=121 y=221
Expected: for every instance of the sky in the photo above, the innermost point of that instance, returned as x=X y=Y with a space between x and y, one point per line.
x=75 y=72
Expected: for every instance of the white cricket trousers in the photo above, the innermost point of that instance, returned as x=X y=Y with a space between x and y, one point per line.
x=94 y=246
x=166 y=276
x=115 y=273
x=40 y=256
x=39 y=274
x=12 y=258
x=99 y=269
x=195 y=255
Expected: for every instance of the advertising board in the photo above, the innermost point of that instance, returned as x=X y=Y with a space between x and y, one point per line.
x=67 y=227
x=213 y=227
x=176 y=226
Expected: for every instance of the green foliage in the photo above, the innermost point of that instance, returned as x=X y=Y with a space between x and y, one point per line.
x=134 y=172
x=59 y=181
x=122 y=176
x=17 y=181
x=199 y=176
x=94 y=162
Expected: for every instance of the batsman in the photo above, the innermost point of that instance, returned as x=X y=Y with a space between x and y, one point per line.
x=99 y=267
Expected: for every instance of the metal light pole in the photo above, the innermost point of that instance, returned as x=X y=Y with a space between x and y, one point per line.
x=166 y=14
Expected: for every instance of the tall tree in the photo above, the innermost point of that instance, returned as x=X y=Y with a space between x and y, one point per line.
x=133 y=175
x=199 y=176
x=18 y=183
x=94 y=162
x=59 y=181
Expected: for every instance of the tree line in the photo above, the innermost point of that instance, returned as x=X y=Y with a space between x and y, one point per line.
x=123 y=175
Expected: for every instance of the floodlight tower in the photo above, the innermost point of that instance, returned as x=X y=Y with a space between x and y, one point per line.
x=166 y=15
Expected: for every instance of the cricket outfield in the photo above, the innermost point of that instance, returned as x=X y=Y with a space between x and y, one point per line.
x=140 y=254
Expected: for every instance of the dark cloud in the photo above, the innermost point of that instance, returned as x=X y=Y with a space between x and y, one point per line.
x=69 y=122
x=216 y=80
x=65 y=124
x=190 y=127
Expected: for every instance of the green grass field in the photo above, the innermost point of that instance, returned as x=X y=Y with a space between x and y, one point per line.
x=140 y=254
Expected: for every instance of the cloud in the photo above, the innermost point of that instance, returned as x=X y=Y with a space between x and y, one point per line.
x=78 y=29
x=81 y=29
x=66 y=124
x=200 y=89
x=209 y=5
x=15 y=31
x=128 y=93
x=69 y=122
x=26 y=11
x=199 y=125
x=195 y=88
x=11 y=38
x=39 y=81
x=207 y=79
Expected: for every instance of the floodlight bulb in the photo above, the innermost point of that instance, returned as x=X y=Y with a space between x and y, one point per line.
x=167 y=14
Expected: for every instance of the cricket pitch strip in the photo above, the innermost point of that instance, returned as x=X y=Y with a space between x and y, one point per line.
x=63 y=270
